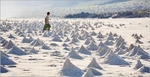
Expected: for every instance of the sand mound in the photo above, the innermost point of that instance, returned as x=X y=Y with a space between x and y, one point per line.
x=88 y=73
x=93 y=34
x=9 y=45
x=67 y=39
x=17 y=51
x=138 y=65
x=102 y=51
x=11 y=36
x=64 y=44
x=108 y=42
x=138 y=41
x=100 y=36
x=94 y=64
x=116 y=49
x=31 y=38
x=2 y=53
x=119 y=41
x=144 y=69
x=80 y=37
x=84 y=50
x=33 y=51
x=4 y=43
x=122 y=46
x=26 y=40
x=5 y=60
x=131 y=47
x=66 y=48
x=114 y=59
x=74 y=40
x=110 y=37
x=87 y=41
x=2 y=40
x=36 y=42
x=70 y=69
x=92 y=46
x=121 y=52
x=45 y=34
x=137 y=51
x=115 y=35
x=101 y=44
x=3 y=70
x=95 y=71
x=54 y=44
x=74 y=54
x=46 y=47
x=56 y=38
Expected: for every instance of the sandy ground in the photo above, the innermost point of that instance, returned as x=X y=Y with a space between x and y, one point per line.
x=42 y=64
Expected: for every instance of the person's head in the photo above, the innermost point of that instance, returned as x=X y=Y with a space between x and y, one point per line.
x=48 y=13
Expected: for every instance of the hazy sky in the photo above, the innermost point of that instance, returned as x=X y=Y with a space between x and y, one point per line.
x=32 y=8
x=10 y=8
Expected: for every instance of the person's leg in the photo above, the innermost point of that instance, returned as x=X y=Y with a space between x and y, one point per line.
x=49 y=27
x=44 y=28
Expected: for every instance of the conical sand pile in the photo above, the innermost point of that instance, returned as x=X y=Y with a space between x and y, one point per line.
x=114 y=59
x=33 y=51
x=84 y=50
x=95 y=71
x=56 y=38
x=93 y=34
x=67 y=39
x=92 y=46
x=137 y=51
x=74 y=40
x=80 y=37
x=94 y=64
x=4 y=43
x=100 y=35
x=3 y=70
x=101 y=44
x=17 y=51
x=119 y=41
x=74 y=54
x=46 y=47
x=144 y=69
x=5 y=60
x=45 y=34
x=108 y=42
x=9 y=45
x=131 y=47
x=110 y=37
x=122 y=46
x=70 y=69
x=26 y=40
x=2 y=40
x=88 y=73
x=2 y=53
x=37 y=42
x=138 y=65
x=102 y=51
x=87 y=41
x=11 y=36
x=121 y=52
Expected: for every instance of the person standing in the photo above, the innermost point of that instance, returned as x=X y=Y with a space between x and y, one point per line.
x=47 y=25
